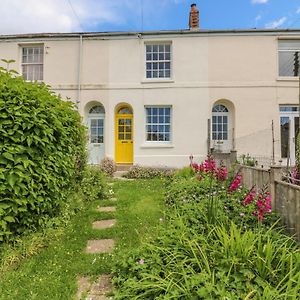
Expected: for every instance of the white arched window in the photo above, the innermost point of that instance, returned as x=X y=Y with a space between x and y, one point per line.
x=220 y=123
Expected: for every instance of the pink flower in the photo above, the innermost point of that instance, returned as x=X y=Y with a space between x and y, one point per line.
x=221 y=173
x=249 y=198
x=235 y=183
x=242 y=214
x=141 y=262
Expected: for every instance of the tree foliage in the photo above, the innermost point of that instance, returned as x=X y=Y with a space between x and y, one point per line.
x=42 y=153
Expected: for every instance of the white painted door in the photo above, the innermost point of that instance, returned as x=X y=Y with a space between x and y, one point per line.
x=221 y=129
x=289 y=126
x=96 y=139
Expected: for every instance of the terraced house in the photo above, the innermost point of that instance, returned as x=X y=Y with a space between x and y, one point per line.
x=154 y=98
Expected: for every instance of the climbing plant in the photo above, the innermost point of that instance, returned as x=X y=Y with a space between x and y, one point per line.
x=42 y=153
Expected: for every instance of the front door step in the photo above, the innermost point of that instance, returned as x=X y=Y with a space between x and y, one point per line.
x=103 y=224
x=123 y=167
x=106 y=209
x=100 y=246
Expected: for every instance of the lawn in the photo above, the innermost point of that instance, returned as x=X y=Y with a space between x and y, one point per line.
x=52 y=273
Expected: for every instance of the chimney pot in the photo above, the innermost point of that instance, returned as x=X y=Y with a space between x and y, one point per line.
x=194 y=17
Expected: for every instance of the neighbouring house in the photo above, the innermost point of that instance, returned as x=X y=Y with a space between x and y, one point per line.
x=154 y=98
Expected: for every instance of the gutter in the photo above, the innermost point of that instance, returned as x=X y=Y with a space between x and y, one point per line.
x=79 y=65
x=115 y=34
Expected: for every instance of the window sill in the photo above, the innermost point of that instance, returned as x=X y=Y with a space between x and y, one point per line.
x=288 y=78
x=156 y=145
x=162 y=80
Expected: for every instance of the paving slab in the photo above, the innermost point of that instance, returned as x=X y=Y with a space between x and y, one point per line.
x=103 y=224
x=84 y=286
x=102 y=286
x=106 y=209
x=100 y=246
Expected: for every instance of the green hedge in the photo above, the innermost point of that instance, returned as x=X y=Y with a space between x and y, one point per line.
x=42 y=153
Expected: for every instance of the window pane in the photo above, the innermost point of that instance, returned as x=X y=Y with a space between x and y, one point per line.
x=286 y=63
x=284 y=131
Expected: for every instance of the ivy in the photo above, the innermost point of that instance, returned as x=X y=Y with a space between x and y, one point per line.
x=42 y=153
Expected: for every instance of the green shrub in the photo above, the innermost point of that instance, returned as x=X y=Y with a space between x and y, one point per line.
x=184 y=190
x=93 y=186
x=247 y=160
x=108 y=166
x=186 y=172
x=42 y=153
x=139 y=172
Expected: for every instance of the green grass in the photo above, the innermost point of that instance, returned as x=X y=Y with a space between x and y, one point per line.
x=51 y=274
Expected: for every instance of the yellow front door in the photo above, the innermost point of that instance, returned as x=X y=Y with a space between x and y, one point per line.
x=124 y=138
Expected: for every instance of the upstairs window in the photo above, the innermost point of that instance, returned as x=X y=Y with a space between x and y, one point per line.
x=158 y=61
x=289 y=57
x=32 y=62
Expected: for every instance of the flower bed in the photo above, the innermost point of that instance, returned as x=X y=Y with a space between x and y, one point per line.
x=217 y=241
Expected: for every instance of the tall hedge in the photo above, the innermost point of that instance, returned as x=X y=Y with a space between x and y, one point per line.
x=42 y=152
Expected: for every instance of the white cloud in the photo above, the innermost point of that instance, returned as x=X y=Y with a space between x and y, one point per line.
x=276 y=23
x=257 y=18
x=19 y=16
x=259 y=1
x=298 y=10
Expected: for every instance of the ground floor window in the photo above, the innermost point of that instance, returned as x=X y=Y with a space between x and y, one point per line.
x=219 y=123
x=158 y=123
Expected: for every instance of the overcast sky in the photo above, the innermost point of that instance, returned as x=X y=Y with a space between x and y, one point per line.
x=30 y=16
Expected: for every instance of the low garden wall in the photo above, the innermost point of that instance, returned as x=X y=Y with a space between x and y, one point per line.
x=285 y=196
x=255 y=177
x=287 y=204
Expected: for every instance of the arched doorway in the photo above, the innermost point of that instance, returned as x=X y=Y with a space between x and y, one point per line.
x=124 y=135
x=95 y=123
x=221 y=128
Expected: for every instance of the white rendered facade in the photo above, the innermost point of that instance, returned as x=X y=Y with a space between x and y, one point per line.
x=199 y=70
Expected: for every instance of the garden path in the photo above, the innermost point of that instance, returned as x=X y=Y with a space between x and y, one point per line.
x=102 y=287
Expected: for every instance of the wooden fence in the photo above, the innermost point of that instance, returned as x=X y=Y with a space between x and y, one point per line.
x=285 y=196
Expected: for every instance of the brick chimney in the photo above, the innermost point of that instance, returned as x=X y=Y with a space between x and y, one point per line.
x=194 y=18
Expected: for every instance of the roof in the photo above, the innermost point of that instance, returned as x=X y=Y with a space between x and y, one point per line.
x=199 y=32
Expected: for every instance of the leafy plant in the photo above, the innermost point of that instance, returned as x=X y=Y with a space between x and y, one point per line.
x=93 y=185
x=42 y=153
x=247 y=160
x=108 y=166
x=139 y=172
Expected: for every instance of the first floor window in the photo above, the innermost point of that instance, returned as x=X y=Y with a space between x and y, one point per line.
x=158 y=124
x=158 y=61
x=289 y=57
x=33 y=62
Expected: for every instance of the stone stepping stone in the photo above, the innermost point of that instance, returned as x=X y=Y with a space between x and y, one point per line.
x=101 y=287
x=100 y=246
x=106 y=209
x=103 y=224
x=110 y=183
x=95 y=291
x=84 y=285
x=113 y=199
